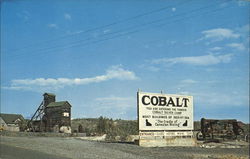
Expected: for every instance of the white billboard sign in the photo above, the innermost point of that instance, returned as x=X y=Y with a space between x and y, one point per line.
x=164 y=111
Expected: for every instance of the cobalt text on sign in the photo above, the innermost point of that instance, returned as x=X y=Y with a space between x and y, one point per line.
x=165 y=111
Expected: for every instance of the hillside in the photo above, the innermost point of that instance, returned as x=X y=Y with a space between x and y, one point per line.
x=102 y=125
x=121 y=128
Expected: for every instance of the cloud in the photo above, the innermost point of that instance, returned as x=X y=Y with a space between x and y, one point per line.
x=188 y=81
x=242 y=3
x=114 y=106
x=114 y=72
x=74 y=32
x=244 y=30
x=224 y=4
x=24 y=15
x=52 y=26
x=238 y=46
x=184 y=93
x=17 y=88
x=118 y=72
x=106 y=31
x=215 y=49
x=204 y=60
x=67 y=16
x=219 y=34
x=214 y=99
x=153 y=68
x=149 y=67
x=113 y=98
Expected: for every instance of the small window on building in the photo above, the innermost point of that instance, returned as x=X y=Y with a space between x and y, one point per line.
x=66 y=114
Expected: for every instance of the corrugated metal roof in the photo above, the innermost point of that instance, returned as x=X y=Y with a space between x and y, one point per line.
x=58 y=104
x=11 y=118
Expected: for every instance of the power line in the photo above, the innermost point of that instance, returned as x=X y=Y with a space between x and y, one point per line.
x=116 y=35
x=106 y=25
x=135 y=31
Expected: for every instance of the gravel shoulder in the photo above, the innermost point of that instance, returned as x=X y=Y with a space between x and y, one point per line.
x=76 y=148
x=13 y=152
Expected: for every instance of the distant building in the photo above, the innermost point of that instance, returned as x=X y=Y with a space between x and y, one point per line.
x=11 y=122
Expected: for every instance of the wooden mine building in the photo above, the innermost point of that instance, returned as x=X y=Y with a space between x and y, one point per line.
x=52 y=116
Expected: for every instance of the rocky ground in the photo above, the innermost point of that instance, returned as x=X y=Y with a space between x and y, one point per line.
x=69 y=147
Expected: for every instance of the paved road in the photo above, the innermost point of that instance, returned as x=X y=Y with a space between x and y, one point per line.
x=13 y=152
x=63 y=148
